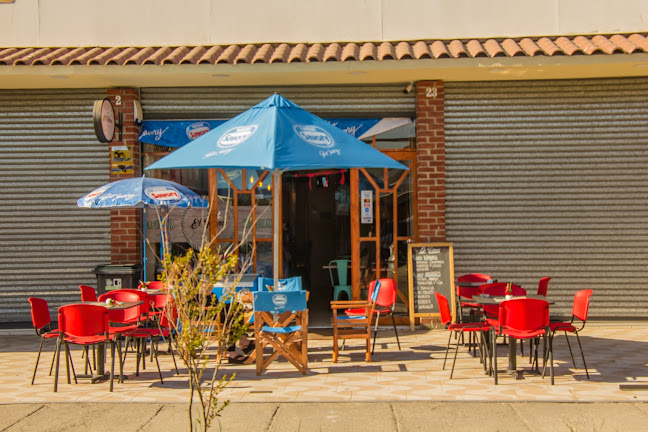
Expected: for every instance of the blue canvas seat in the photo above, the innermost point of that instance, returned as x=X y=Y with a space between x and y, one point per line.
x=287 y=284
x=281 y=321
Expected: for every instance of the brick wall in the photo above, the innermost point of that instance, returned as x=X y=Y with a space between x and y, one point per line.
x=430 y=144
x=126 y=224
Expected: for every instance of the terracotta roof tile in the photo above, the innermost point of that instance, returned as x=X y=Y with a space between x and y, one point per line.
x=280 y=55
x=368 y=51
x=530 y=47
x=548 y=47
x=568 y=47
x=494 y=49
x=457 y=49
x=351 y=51
x=298 y=53
x=640 y=41
x=422 y=50
x=512 y=48
x=476 y=49
x=332 y=52
x=175 y=56
x=617 y=44
x=386 y=51
x=439 y=49
x=315 y=53
x=404 y=51
x=228 y=54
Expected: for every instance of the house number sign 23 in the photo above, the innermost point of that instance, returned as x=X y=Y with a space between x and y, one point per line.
x=431 y=92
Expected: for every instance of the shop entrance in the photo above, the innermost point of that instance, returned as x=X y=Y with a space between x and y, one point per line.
x=316 y=230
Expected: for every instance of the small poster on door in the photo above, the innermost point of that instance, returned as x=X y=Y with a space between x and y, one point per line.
x=366 y=207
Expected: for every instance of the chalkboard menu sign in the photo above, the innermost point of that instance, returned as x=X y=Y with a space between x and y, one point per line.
x=431 y=269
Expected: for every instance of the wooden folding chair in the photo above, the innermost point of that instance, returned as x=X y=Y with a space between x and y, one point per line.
x=281 y=321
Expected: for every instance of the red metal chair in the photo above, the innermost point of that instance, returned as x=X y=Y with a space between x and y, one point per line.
x=85 y=325
x=88 y=293
x=543 y=286
x=523 y=319
x=467 y=287
x=460 y=328
x=497 y=289
x=579 y=314
x=42 y=322
x=384 y=305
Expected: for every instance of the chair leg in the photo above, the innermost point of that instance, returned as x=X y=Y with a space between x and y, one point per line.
x=551 y=368
x=582 y=355
x=447 y=348
x=455 y=358
x=67 y=363
x=494 y=349
x=395 y=330
x=570 y=350
x=375 y=333
x=58 y=358
x=37 y=358
x=154 y=349
x=112 y=364
x=173 y=356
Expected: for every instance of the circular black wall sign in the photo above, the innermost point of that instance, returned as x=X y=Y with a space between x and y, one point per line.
x=103 y=117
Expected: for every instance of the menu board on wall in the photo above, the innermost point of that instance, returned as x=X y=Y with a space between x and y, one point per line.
x=431 y=269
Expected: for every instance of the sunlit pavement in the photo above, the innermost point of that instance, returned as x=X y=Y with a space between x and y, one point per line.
x=615 y=353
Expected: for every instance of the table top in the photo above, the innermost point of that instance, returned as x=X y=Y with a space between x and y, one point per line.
x=123 y=305
x=491 y=300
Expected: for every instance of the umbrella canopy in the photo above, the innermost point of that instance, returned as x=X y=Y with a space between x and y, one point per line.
x=139 y=192
x=276 y=135
x=142 y=192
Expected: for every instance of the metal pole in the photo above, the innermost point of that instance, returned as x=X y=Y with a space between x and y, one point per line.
x=276 y=176
x=144 y=244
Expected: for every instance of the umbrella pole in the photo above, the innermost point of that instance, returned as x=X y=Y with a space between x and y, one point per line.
x=144 y=245
x=276 y=176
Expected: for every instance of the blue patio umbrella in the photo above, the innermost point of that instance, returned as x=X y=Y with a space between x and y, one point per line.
x=276 y=135
x=142 y=192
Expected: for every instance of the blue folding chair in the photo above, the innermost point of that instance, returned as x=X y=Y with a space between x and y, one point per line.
x=281 y=321
x=287 y=284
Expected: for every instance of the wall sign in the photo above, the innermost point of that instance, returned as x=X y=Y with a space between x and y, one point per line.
x=366 y=207
x=431 y=269
x=103 y=118
x=121 y=160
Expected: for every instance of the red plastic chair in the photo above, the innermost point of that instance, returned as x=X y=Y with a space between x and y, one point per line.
x=497 y=289
x=42 y=322
x=384 y=305
x=467 y=287
x=85 y=325
x=88 y=293
x=126 y=316
x=579 y=313
x=523 y=319
x=460 y=328
x=543 y=286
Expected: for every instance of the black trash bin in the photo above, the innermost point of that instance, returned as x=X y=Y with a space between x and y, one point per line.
x=117 y=276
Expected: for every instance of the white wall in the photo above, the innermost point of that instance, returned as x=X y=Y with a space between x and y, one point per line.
x=192 y=22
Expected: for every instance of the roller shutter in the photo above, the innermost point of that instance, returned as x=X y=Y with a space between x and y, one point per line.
x=550 y=178
x=326 y=101
x=49 y=157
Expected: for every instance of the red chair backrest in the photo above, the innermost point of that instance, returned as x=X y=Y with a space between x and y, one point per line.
x=444 y=308
x=387 y=294
x=88 y=293
x=581 y=304
x=543 y=286
x=469 y=291
x=499 y=289
x=39 y=312
x=153 y=285
x=126 y=295
x=83 y=320
x=159 y=301
x=524 y=314
x=169 y=316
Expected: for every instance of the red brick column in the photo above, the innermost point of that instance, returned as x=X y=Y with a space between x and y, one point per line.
x=125 y=224
x=430 y=144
